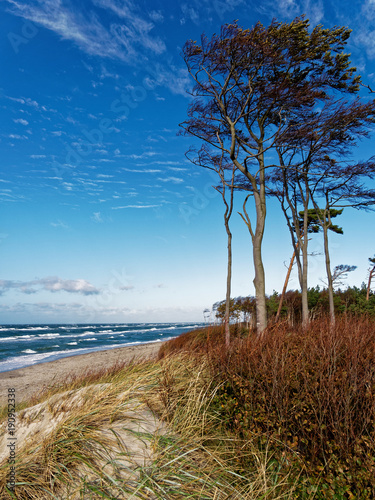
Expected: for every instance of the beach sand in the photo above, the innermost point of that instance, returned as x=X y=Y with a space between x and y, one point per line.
x=32 y=379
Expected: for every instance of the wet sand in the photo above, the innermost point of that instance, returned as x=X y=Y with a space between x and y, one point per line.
x=32 y=379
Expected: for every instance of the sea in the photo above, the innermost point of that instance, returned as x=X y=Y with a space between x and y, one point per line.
x=25 y=345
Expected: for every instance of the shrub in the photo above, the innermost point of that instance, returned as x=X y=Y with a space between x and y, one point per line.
x=307 y=395
x=312 y=394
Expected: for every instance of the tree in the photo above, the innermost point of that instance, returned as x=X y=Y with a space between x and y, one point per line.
x=217 y=163
x=340 y=273
x=371 y=275
x=313 y=169
x=341 y=186
x=323 y=218
x=220 y=310
x=248 y=86
x=312 y=227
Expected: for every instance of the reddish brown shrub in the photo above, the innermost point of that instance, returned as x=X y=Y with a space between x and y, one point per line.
x=310 y=394
x=312 y=391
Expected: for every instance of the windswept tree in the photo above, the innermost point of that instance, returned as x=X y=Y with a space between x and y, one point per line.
x=314 y=172
x=341 y=272
x=322 y=219
x=342 y=186
x=248 y=87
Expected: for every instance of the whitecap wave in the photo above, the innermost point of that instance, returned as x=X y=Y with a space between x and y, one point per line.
x=33 y=328
x=23 y=337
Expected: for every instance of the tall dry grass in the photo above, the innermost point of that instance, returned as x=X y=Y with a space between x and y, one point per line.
x=77 y=451
x=86 y=456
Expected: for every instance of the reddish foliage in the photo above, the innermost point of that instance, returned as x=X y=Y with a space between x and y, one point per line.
x=311 y=393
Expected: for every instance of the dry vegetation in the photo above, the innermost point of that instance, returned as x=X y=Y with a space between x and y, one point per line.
x=289 y=415
x=308 y=397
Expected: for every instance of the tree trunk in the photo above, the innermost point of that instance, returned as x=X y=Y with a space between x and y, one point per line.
x=305 y=302
x=329 y=275
x=304 y=284
x=257 y=238
x=259 y=285
x=229 y=280
x=371 y=275
x=227 y=216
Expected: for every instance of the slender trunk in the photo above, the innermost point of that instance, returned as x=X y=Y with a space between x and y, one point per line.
x=259 y=285
x=229 y=281
x=299 y=242
x=304 y=284
x=371 y=275
x=285 y=286
x=305 y=302
x=259 y=275
x=227 y=216
x=329 y=275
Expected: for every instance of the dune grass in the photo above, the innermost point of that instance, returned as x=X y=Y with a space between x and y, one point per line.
x=76 y=455
x=85 y=455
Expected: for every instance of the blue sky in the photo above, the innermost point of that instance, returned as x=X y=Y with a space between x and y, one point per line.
x=102 y=217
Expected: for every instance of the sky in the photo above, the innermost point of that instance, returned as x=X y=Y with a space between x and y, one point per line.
x=103 y=219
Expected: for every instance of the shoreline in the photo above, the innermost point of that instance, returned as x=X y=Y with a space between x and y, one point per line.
x=32 y=379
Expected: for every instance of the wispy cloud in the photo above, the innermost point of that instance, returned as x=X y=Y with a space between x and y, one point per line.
x=126 y=42
x=144 y=171
x=24 y=100
x=21 y=121
x=136 y=31
x=135 y=206
x=156 y=15
x=17 y=136
x=175 y=180
x=366 y=34
x=51 y=284
x=146 y=154
x=97 y=217
x=289 y=9
x=59 y=223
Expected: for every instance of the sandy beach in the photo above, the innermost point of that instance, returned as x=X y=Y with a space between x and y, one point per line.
x=32 y=379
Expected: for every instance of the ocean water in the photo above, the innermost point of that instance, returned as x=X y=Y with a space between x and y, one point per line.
x=25 y=345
